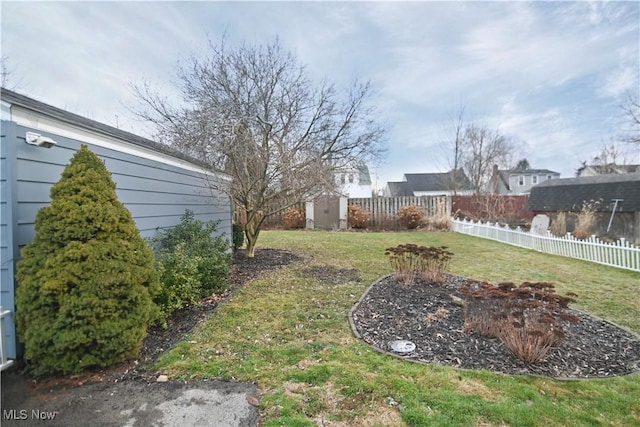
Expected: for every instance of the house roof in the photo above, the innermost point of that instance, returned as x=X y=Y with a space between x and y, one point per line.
x=531 y=172
x=417 y=182
x=63 y=116
x=570 y=194
x=365 y=176
x=509 y=172
x=610 y=168
x=399 y=189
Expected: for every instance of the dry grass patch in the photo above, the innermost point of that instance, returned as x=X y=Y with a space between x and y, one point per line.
x=482 y=423
x=335 y=409
x=469 y=386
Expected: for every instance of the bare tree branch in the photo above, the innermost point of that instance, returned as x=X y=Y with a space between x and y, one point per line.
x=253 y=113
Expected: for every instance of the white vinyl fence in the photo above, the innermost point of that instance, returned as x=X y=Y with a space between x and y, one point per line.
x=619 y=254
x=4 y=362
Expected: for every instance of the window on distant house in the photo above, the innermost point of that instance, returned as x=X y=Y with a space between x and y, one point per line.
x=521 y=180
x=534 y=179
x=549 y=177
x=350 y=178
x=342 y=181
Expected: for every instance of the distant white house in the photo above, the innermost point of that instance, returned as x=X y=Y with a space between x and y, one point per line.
x=354 y=182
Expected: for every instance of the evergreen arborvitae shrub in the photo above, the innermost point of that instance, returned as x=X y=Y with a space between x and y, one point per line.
x=87 y=280
x=238 y=236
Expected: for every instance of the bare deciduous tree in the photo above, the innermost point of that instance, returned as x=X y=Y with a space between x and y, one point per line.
x=610 y=159
x=631 y=113
x=5 y=73
x=475 y=149
x=253 y=113
x=454 y=180
x=482 y=148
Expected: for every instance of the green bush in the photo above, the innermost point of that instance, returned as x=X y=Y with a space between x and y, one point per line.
x=192 y=263
x=87 y=280
x=179 y=279
x=238 y=236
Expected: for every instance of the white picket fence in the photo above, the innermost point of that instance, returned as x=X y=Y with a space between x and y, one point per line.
x=619 y=254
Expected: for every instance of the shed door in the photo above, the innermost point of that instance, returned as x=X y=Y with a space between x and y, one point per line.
x=326 y=212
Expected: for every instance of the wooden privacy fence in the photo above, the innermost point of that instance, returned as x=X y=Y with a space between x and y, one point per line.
x=384 y=210
x=277 y=220
x=618 y=254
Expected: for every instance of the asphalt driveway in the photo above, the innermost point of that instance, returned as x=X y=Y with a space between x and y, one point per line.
x=128 y=403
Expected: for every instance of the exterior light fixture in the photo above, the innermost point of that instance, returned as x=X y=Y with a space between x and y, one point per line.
x=39 y=140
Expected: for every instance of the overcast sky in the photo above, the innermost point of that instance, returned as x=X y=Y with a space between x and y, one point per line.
x=552 y=75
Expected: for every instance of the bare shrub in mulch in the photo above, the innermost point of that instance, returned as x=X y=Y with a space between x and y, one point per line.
x=432 y=316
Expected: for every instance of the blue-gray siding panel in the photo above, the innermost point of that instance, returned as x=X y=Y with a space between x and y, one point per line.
x=155 y=193
x=7 y=245
x=149 y=187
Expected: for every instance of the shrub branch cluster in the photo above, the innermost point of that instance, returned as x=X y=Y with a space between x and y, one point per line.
x=294 y=219
x=358 y=217
x=410 y=261
x=530 y=319
x=410 y=216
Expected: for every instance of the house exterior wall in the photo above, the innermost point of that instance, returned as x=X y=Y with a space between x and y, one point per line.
x=155 y=187
x=522 y=183
x=356 y=190
x=7 y=247
x=350 y=185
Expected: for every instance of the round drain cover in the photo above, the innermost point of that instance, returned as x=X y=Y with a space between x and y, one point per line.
x=402 y=346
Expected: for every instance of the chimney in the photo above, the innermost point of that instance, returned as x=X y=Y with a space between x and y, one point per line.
x=494 y=179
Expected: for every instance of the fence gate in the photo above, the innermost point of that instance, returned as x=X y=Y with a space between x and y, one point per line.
x=326 y=212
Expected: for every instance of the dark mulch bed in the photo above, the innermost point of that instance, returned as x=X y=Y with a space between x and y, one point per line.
x=426 y=315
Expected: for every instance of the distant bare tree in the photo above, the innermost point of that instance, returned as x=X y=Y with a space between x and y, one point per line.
x=481 y=149
x=5 y=72
x=606 y=160
x=631 y=113
x=455 y=178
x=252 y=112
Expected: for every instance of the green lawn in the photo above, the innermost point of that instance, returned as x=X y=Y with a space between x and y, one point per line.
x=291 y=334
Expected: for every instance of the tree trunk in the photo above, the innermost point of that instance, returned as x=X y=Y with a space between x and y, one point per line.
x=251 y=231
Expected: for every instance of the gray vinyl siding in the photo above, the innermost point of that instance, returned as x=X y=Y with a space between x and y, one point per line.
x=7 y=245
x=155 y=193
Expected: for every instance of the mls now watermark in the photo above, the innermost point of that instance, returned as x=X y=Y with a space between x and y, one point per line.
x=23 y=414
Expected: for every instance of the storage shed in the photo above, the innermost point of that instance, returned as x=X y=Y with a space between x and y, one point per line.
x=38 y=141
x=613 y=198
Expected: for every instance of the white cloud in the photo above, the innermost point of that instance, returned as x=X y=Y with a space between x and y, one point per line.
x=548 y=73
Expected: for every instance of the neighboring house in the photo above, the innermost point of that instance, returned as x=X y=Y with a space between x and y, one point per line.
x=597 y=194
x=355 y=182
x=612 y=168
x=429 y=184
x=155 y=184
x=515 y=182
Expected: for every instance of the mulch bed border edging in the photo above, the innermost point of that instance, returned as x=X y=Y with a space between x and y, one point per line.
x=356 y=305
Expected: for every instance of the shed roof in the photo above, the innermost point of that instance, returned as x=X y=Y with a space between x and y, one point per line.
x=570 y=194
x=63 y=116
